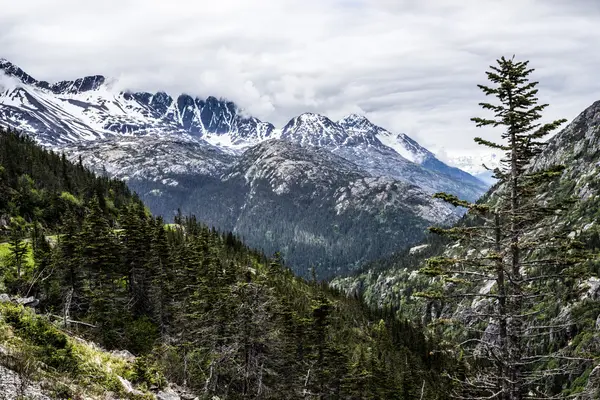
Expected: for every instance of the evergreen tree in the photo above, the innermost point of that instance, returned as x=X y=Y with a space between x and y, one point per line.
x=68 y=282
x=42 y=256
x=162 y=273
x=105 y=284
x=513 y=251
x=136 y=251
x=17 y=245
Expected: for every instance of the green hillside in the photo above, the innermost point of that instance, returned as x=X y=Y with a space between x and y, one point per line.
x=196 y=305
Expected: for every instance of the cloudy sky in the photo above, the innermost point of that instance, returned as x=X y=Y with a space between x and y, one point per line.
x=410 y=65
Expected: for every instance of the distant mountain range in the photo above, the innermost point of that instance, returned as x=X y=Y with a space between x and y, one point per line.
x=327 y=194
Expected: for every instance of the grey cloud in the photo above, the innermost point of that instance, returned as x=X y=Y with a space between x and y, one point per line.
x=411 y=66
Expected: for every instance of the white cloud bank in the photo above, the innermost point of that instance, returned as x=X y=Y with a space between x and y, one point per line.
x=410 y=66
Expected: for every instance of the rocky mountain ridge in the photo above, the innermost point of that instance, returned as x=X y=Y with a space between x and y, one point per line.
x=91 y=108
x=198 y=155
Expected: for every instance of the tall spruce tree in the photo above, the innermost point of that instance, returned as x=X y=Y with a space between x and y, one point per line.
x=515 y=257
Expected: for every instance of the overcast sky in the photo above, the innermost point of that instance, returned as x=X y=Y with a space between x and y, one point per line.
x=410 y=66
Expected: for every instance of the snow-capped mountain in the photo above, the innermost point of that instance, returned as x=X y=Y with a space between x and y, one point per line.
x=381 y=153
x=360 y=127
x=238 y=173
x=91 y=108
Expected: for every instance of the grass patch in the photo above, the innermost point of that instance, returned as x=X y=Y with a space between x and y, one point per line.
x=65 y=366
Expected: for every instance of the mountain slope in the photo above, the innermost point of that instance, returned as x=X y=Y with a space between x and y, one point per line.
x=316 y=208
x=195 y=306
x=393 y=281
x=577 y=147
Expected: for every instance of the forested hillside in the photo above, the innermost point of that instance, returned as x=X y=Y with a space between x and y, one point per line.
x=196 y=306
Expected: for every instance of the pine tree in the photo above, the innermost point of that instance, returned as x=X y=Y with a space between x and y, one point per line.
x=321 y=323
x=136 y=251
x=513 y=252
x=17 y=245
x=68 y=279
x=42 y=256
x=161 y=271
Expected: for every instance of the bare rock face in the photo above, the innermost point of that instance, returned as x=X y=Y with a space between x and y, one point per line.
x=13 y=386
x=27 y=301
x=123 y=354
x=592 y=389
x=167 y=394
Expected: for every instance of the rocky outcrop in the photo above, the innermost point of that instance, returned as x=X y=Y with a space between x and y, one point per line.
x=13 y=386
x=16 y=379
x=30 y=301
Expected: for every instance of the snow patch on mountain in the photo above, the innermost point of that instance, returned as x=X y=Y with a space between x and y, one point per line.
x=90 y=109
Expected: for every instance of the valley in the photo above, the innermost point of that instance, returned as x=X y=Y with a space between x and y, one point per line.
x=325 y=260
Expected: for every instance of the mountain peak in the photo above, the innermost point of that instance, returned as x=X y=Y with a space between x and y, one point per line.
x=353 y=118
x=314 y=129
x=360 y=123
x=5 y=63
x=311 y=116
x=85 y=84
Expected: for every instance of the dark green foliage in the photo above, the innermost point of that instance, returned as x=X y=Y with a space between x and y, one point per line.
x=332 y=242
x=53 y=347
x=40 y=185
x=144 y=372
x=17 y=245
x=198 y=306
x=511 y=341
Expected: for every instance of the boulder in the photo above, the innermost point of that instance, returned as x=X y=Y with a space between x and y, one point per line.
x=128 y=387
x=123 y=354
x=27 y=301
x=167 y=394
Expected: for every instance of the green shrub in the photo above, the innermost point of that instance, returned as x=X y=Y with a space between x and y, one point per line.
x=61 y=390
x=146 y=374
x=70 y=199
x=141 y=335
x=51 y=344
